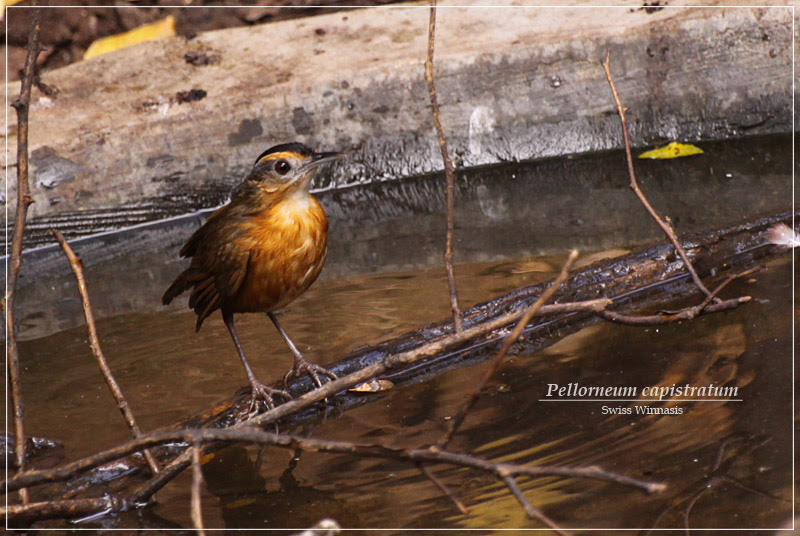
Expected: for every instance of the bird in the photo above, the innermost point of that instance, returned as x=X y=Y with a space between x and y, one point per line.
x=259 y=252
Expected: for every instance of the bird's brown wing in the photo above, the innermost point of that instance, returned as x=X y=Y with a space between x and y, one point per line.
x=211 y=226
x=218 y=272
x=218 y=268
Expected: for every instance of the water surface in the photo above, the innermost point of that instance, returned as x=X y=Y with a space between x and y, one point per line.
x=383 y=278
x=168 y=373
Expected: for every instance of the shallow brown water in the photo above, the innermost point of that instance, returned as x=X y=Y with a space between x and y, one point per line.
x=169 y=372
x=505 y=214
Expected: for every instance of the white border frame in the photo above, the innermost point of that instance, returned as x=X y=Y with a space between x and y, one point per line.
x=406 y=6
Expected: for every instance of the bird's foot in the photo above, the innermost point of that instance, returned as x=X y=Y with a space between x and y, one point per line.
x=315 y=371
x=261 y=394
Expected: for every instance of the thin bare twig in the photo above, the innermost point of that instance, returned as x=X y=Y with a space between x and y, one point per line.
x=184 y=460
x=59 y=509
x=197 y=480
x=94 y=343
x=449 y=174
x=725 y=283
x=143 y=493
x=24 y=200
x=667 y=318
x=425 y=470
x=530 y=510
x=291 y=442
x=456 y=421
x=634 y=185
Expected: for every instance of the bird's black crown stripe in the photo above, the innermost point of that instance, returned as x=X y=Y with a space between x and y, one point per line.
x=294 y=147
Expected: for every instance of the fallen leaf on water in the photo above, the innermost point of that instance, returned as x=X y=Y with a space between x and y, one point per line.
x=372 y=386
x=148 y=32
x=672 y=150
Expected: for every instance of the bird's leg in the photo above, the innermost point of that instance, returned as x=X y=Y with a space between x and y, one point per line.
x=258 y=391
x=300 y=363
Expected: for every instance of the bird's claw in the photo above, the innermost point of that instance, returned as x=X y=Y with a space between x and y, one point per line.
x=261 y=394
x=302 y=366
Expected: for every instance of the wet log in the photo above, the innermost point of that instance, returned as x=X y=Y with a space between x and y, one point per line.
x=33 y=444
x=638 y=281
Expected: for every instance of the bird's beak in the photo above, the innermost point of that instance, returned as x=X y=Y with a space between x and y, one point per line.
x=317 y=159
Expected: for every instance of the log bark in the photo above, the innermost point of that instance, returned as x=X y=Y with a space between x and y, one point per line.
x=116 y=147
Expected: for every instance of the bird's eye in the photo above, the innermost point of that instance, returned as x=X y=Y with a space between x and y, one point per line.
x=282 y=167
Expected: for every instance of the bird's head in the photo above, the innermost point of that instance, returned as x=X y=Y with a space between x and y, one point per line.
x=288 y=167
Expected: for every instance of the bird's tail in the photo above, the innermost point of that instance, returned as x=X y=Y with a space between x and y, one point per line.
x=179 y=286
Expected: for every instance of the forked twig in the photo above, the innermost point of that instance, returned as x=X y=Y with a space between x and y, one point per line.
x=449 y=174
x=24 y=200
x=667 y=318
x=634 y=185
x=94 y=343
x=291 y=442
x=725 y=283
x=456 y=422
x=142 y=494
x=687 y=313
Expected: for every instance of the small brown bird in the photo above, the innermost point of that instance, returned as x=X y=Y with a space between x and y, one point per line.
x=261 y=251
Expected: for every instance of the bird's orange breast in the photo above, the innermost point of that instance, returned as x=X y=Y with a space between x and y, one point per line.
x=288 y=245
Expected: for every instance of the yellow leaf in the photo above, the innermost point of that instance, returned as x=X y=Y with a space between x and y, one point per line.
x=149 y=32
x=672 y=150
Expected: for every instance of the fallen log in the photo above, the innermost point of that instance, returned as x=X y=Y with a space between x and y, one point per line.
x=516 y=85
x=638 y=281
